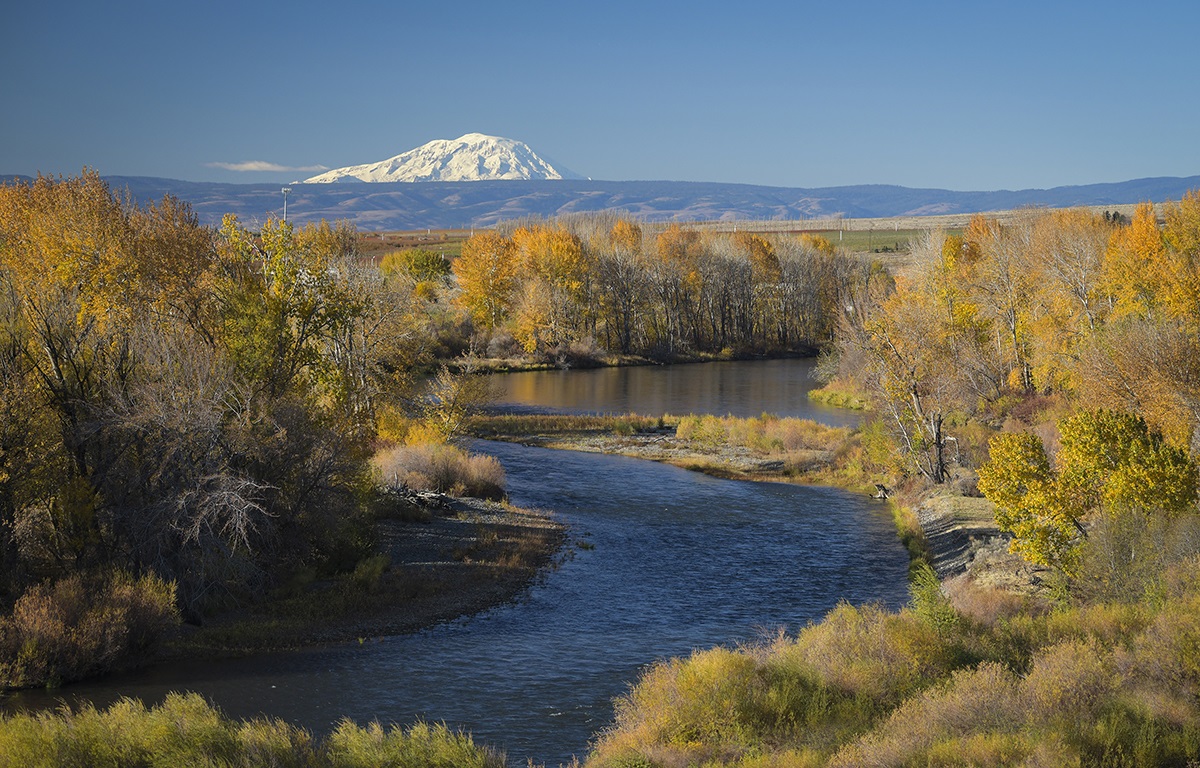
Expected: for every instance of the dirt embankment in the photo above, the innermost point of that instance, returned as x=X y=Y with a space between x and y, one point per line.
x=469 y=556
x=965 y=544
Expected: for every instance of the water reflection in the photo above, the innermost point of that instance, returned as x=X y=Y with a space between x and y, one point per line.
x=738 y=388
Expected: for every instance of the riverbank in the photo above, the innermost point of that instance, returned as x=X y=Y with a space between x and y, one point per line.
x=587 y=358
x=659 y=439
x=443 y=559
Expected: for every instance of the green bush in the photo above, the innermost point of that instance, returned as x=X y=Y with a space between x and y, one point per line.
x=871 y=653
x=186 y=731
x=421 y=746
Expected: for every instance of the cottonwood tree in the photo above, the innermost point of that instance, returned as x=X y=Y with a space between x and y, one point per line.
x=620 y=286
x=1003 y=285
x=923 y=352
x=1133 y=266
x=487 y=274
x=1108 y=463
x=1068 y=269
x=1181 y=234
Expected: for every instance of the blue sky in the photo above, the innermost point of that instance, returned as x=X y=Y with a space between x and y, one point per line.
x=958 y=95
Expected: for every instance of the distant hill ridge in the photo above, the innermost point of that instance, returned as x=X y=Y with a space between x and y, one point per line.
x=444 y=204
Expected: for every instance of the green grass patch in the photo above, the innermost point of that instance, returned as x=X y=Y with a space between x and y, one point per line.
x=523 y=425
x=837 y=396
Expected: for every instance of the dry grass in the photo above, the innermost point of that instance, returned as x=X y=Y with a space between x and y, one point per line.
x=523 y=425
x=970 y=702
x=766 y=434
x=441 y=468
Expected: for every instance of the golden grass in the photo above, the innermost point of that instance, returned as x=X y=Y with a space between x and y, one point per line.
x=442 y=468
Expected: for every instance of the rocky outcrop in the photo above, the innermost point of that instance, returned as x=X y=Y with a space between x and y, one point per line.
x=964 y=541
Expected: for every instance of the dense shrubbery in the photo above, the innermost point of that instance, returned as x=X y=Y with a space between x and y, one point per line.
x=1092 y=685
x=79 y=626
x=184 y=730
x=180 y=402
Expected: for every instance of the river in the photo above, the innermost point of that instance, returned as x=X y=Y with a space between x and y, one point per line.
x=670 y=561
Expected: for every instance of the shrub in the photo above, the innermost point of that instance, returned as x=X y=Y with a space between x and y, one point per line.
x=928 y=601
x=421 y=746
x=441 y=468
x=987 y=605
x=81 y=627
x=705 y=430
x=1127 y=552
x=1068 y=681
x=369 y=572
x=971 y=703
x=718 y=705
x=871 y=653
x=185 y=731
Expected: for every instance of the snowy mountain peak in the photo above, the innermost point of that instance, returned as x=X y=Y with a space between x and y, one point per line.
x=473 y=157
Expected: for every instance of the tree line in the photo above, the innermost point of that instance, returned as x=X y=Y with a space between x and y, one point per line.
x=1077 y=334
x=1056 y=304
x=664 y=292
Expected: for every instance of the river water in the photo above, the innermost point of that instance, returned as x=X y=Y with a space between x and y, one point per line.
x=670 y=561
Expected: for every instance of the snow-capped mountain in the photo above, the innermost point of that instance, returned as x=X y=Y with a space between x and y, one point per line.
x=474 y=157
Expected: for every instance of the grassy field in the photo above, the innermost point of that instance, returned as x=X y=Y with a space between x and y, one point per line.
x=447 y=242
x=872 y=241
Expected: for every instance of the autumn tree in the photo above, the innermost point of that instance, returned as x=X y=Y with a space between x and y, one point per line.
x=1181 y=234
x=1018 y=478
x=1003 y=285
x=1108 y=463
x=557 y=278
x=923 y=350
x=1074 y=300
x=418 y=264
x=1133 y=266
x=487 y=275
x=174 y=398
x=621 y=285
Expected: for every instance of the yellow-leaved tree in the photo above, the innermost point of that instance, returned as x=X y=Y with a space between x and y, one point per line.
x=487 y=275
x=1109 y=463
x=1134 y=265
x=1182 y=236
